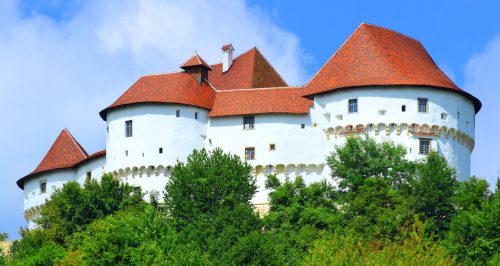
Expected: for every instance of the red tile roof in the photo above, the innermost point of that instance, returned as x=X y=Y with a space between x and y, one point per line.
x=249 y=70
x=261 y=101
x=178 y=87
x=195 y=60
x=65 y=153
x=374 y=55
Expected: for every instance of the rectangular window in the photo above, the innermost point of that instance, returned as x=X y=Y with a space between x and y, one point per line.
x=128 y=128
x=422 y=105
x=177 y=113
x=425 y=146
x=250 y=153
x=89 y=176
x=126 y=153
x=272 y=147
x=302 y=126
x=353 y=105
x=248 y=122
x=403 y=108
x=160 y=150
x=195 y=115
x=43 y=186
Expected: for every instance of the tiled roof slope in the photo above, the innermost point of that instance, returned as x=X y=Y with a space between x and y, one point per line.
x=178 y=87
x=195 y=60
x=249 y=70
x=374 y=55
x=260 y=101
x=64 y=153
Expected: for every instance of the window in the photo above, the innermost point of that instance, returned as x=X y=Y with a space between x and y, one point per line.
x=250 y=153
x=403 y=108
x=422 y=105
x=89 y=176
x=128 y=128
x=444 y=116
x=353 y=105
x=458 y=115
x=248 y=122
x=195 y=115
x=160 y=150
x=272 y=147
x=177 y=113
x=126 y=153
x=302 y=126
x=425 y=146
x=43 y=186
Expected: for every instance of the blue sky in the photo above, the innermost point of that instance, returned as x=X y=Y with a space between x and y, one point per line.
x=63 y=61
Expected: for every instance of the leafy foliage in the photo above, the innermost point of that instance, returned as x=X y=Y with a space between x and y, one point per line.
x=385 y=210
x=71 y=208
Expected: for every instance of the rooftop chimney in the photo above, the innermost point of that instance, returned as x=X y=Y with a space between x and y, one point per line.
x=227 y=57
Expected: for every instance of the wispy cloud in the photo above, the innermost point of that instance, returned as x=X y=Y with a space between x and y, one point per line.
x=60 y=73
x=482 y=79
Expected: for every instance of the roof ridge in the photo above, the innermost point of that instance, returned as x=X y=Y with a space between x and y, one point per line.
x=80 y=147
x=257 y=51
x=266 y=88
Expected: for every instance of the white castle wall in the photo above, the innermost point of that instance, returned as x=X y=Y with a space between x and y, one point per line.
x=33 y=197
x=154 y=127
x=297 y=150
x=333 y=110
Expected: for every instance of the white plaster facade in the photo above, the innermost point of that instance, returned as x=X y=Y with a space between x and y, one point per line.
x=301 y=142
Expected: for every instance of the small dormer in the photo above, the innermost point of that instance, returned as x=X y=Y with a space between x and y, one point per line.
x=197 y=67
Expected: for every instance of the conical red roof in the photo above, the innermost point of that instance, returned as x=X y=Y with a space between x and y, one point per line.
x=373 y=56
x=195 y=60
x=64 y=153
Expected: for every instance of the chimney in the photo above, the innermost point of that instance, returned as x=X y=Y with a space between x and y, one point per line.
x=227 y=57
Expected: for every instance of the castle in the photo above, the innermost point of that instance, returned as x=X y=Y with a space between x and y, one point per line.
x=379 y=83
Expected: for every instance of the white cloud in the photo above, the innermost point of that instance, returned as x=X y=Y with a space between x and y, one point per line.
x=482 y=79
x=60 y=74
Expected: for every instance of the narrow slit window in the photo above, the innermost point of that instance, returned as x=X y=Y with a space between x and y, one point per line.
x=177 y=113
x=89 y=176
x=128 y=128
x=126 y=153
x=43 y=186
x=195 y=115
x=353 y=105
x=403 y=108
x=160 y=150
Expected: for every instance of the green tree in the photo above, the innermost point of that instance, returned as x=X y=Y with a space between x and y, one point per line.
x=373 y=180
x=471 y=194
x=208 y=182
x=474 y=235
x=35 y=248
x=353 y=249
x=360 y=159
x=208 y=201
x=433 y=190
x=71 y=208
x=294 y=204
